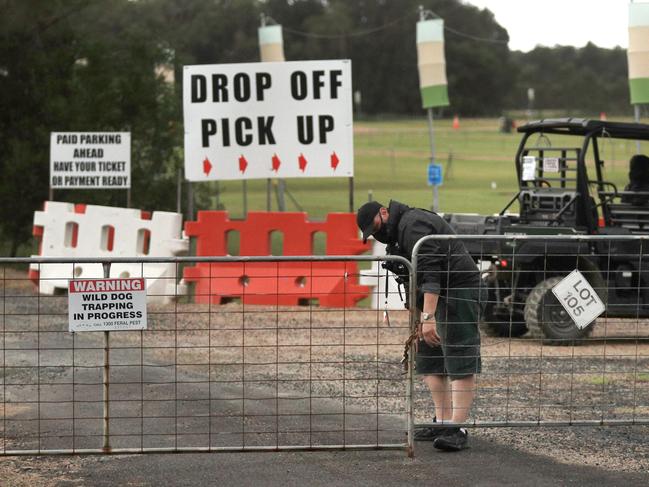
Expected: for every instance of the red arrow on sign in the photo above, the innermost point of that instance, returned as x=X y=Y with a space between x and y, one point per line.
x=276 y=162
x=302 y=162
x=243 y=164
x=334 y=161
x=207 y=166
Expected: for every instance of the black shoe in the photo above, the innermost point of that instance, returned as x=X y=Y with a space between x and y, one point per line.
x=453 y=439
x=428 y=433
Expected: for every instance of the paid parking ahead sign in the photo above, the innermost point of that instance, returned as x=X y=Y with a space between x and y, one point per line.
x=265 y=120
x=100 y=160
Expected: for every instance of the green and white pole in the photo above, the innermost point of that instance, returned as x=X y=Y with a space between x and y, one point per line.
x=271 y=50
x=431 y=64
x=638 y=57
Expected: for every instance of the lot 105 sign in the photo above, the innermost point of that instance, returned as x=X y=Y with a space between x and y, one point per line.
x=579 y=299
x=107 y=304
x=263 y=120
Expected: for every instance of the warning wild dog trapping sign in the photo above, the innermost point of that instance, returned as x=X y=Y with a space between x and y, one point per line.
x=107 y=304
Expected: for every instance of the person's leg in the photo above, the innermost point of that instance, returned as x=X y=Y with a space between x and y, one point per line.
x=440 y=390
x=429 y=363
x=463 y=392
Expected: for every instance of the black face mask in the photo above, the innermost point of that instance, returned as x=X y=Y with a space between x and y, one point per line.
x=381 y=234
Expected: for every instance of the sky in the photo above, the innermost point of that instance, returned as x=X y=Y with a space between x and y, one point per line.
x=564 y=22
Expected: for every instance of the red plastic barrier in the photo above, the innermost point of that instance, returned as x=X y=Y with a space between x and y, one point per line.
x=332 y=284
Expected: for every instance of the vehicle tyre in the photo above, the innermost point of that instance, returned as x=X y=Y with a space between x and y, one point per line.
x=501 y=324
x=546 y=319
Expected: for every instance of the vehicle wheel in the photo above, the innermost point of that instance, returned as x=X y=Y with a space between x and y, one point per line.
x=546 y=318
x=496 y=326
x=501 y=324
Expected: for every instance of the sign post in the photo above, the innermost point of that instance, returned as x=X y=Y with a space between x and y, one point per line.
x=435 y=180
x=105 y=305
x=432 y=75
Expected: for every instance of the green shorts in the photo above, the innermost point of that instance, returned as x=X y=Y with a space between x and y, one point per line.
x=458 y=356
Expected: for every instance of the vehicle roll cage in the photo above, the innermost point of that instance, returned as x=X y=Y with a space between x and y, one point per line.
x=590 y=130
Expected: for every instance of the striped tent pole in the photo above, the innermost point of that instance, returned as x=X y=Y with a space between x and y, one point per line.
x=271 y=49
x=638 y=57
x=431 y=64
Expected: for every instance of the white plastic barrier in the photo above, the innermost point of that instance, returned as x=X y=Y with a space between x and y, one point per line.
x=103 y=231
x=375 y=278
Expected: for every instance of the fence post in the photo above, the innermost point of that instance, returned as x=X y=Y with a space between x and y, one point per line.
x=410 y=382
x=106 y=376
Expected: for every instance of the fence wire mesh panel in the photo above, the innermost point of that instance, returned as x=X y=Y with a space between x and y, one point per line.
x=538 y=367
x=212 y=370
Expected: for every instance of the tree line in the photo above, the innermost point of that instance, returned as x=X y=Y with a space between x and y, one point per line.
x=89 y=65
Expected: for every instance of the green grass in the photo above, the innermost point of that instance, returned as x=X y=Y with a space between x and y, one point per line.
x=391 y=159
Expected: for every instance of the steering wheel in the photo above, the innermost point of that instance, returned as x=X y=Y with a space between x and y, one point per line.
x=611 y=197
x=543 y=182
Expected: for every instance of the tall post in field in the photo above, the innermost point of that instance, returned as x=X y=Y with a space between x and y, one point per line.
x=638 y=57
x=271 y=50
x=431 y=63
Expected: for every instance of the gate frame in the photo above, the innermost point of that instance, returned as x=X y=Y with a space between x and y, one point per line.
x=568 y=237
x=106 y=262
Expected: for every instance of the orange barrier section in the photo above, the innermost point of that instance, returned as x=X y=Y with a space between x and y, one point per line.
x=331 y=284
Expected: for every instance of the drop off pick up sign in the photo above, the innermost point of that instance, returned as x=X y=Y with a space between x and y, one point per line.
x=266 y=120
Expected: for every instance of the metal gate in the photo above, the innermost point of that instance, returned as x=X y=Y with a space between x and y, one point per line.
x=600 y=377
x=234 y=376
x=202 y=377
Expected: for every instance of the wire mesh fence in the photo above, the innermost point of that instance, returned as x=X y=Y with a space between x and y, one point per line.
x=214 y=372
x=538 y=367
x=205 y=374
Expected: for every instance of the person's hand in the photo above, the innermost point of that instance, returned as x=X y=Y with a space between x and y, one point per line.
x=428 y=333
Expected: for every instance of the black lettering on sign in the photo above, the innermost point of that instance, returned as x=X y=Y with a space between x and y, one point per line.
x=263 y=82
x=219 y=88
x=265 y=130
x=241 y=87
x=244 y=131
x=325 y=125
x=335 y=82
x=317 y=83
x=63 y=165
x=225 y=132
x=66 y=138
x=305 y=129
x=208 y=128
x=299 y=89
x=198 y=88
x=241 y=124
x=88 y=153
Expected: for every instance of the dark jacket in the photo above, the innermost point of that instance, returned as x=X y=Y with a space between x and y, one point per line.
x=442 y=264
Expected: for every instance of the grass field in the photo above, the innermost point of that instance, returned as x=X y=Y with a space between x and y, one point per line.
x=391 y=159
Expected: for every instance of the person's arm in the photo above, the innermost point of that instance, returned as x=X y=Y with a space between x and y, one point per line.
x=428 y=328
x=431 y=257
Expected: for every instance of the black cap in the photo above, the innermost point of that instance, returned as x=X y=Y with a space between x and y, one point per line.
x=365 y=218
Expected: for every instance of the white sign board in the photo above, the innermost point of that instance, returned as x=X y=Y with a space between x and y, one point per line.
x=107 y=304
x=84 y=160
x=267 y=120
x=529 y=168
x=550 y=164
x=579 y=299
